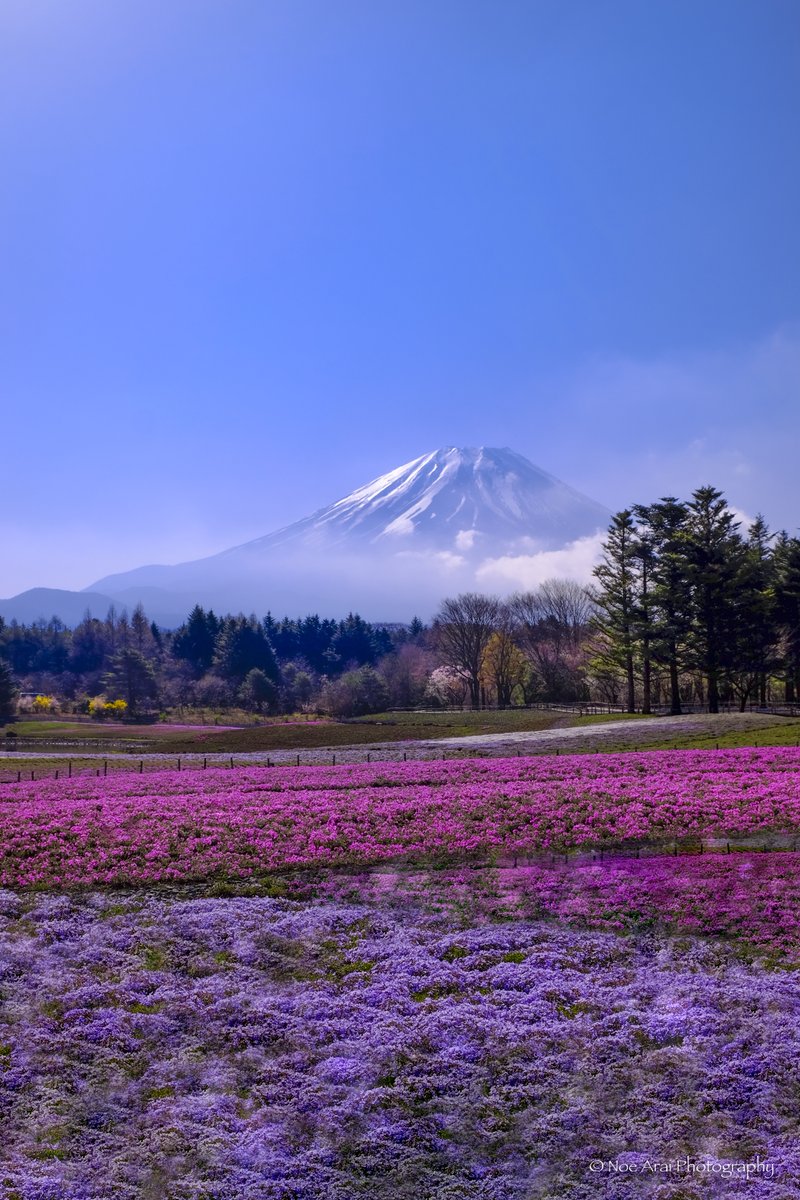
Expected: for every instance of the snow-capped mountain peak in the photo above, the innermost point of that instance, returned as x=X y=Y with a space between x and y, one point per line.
x=453 y=498
x=394 y=546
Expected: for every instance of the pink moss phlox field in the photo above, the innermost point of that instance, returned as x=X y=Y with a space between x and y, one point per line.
x=751 y=898
x=261 y=1049
x=184 y=825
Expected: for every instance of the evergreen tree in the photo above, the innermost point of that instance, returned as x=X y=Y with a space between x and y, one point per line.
x=8 y=693
x=644 y=555
x=241 y=647
x=664 y=525
x=617 y=599
x=354 y=641
x=132 y=678
x=755 y=649
x=141 y=637
x=195 y=640
x=89 y=646
x=715 y=554
x=787 y=612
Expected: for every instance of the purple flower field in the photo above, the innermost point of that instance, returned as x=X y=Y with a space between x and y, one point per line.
x=256 y=1048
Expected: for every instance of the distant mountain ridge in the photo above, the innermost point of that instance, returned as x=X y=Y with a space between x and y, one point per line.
x=43 y=603
x=391 y=548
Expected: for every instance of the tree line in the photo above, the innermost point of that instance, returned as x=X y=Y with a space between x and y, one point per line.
x=685 y=608
x=263 y=665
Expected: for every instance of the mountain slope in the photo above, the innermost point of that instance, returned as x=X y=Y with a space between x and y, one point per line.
x=469 y=502
x=450 y=499
x=449 y=521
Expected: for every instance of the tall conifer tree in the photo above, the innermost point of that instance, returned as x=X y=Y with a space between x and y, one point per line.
x=617 y=598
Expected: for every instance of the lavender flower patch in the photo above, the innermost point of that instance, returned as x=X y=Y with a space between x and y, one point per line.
x=157 y=1048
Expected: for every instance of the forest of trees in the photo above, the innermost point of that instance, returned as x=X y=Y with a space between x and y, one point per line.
x=685 y=609
x=690 y=608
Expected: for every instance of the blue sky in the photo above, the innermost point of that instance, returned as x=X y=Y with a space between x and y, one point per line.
x=253 y=254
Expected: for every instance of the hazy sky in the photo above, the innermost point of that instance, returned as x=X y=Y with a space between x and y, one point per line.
x=253 y=254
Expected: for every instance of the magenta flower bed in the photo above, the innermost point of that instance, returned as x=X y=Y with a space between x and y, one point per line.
x=177 y=826
x=752 y=898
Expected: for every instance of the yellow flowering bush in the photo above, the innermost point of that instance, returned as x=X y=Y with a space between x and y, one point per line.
x=99 y=708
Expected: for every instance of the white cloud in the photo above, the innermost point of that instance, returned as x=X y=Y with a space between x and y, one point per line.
x=465 y=539
x=437 y=558
x=525 y=571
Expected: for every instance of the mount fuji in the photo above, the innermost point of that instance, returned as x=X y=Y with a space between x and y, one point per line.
x=451 y=499
x=451 y=520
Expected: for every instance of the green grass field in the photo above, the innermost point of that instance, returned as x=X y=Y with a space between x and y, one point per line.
x=290 y=733
x=58 y=741
x=785 y=734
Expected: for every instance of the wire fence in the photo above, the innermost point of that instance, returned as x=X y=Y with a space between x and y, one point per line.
x=73 y=768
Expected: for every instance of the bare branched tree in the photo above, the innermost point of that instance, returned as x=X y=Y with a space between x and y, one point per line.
x=551 y=629
x=462 y=629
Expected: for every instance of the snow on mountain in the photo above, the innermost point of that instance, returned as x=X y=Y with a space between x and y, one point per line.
x=479 y=499
x=452 y=520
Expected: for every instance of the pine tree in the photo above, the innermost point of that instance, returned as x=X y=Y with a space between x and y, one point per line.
x=755 y=648
x=617 y=599
x=644 y=555
x=8 y=693
x=664 y=525
x=195 y=640
x=132 y=677
x=241 y=647
x=715 y=554
x=787 y=612
x=140 y=630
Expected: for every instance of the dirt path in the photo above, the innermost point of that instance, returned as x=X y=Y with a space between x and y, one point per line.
x=633 y=732
x=623 y=734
